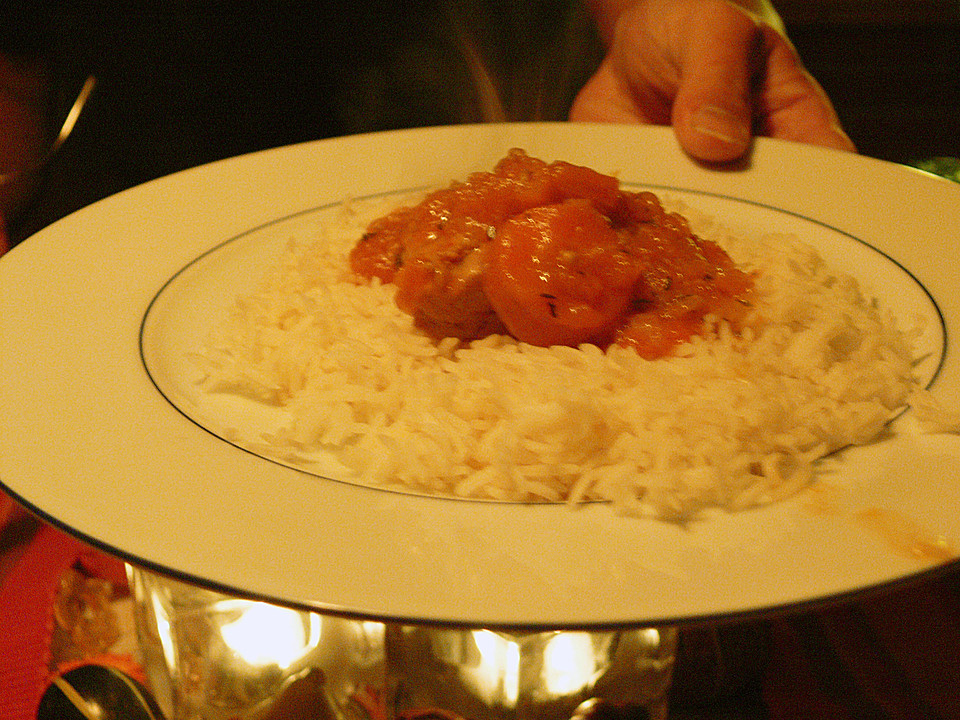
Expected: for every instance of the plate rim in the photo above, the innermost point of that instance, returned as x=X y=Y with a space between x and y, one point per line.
x=312 y=603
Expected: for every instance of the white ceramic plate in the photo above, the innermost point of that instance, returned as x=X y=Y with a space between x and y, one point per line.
x=104 y=433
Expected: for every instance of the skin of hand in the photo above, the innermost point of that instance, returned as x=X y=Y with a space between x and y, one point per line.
x=718 y=72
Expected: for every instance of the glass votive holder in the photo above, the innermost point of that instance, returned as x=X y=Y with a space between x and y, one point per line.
x=553 y=675
x=217 y=657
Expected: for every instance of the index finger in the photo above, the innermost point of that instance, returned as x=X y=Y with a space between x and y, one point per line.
x=790 y=103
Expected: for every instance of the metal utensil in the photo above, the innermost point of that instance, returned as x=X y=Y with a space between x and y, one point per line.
x=65 y=130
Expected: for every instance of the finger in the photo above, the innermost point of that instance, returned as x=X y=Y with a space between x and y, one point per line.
x=637 y=80
x=790 y=102
x=712 y=112
x=607 y=97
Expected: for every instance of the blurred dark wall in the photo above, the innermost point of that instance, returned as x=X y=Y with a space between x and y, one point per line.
x=183 y=82
x=891 y=67
x=186 y=82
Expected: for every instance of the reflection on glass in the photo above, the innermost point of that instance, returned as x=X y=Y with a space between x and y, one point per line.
x=217 y=657
x=569 y=663
x=495 y=676
x=486 y=675
x=262 y=634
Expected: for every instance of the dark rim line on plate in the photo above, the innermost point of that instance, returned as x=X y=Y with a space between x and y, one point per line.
x=768 y=611
x=400 y=192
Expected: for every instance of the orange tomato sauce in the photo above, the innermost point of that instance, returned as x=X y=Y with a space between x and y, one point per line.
x=553 y=254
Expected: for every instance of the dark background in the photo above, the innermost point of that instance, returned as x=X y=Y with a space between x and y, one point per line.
x=183 y=83
x=891 y=67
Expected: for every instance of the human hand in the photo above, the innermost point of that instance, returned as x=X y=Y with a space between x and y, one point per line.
x=714 y=71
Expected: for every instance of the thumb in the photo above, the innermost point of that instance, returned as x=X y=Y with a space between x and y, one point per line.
x=712 y=112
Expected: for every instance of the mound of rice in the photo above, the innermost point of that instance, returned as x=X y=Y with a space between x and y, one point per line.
x=731 y=422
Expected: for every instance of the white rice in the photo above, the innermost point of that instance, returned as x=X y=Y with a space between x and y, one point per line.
x=732 y=422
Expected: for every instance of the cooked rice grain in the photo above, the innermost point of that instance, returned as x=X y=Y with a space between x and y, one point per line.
x=731 y=422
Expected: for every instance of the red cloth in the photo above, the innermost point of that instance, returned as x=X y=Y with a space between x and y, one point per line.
x=27 y=596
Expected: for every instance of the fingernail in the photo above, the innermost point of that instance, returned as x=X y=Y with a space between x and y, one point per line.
x=721 y=124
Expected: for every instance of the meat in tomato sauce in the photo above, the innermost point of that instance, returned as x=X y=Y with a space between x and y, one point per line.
x=553 y=254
